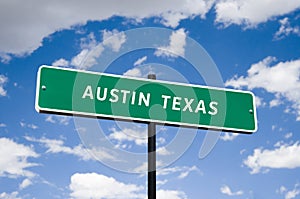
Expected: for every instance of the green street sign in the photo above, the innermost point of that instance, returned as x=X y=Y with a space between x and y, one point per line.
x=90 y=94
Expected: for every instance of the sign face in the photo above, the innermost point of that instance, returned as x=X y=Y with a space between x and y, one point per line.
x=90 y=94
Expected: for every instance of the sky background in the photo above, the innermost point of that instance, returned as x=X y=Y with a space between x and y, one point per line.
x=255 y=46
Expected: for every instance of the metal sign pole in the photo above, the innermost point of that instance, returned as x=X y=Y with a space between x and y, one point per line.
x=151 y=156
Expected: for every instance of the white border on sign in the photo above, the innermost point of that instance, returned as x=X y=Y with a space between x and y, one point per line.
x=41 y=110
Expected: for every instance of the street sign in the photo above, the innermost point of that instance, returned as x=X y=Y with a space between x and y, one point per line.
x=74 y=92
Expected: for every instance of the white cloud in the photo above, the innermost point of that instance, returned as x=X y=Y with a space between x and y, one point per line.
x=58 y=119
x=4 y=58
x=184 y=174
x=282 y=156
x=23 y=32
x=182 y=171
x=281 y=79
x=171 y=194
x=2 y=125
x=87 y=57
x=163 y=151
x=161 y=182
x=228 y=136
x=32 y=126
x=13 y=195
x=190 y=9
x=61 y=63
x=88 y=42
x=160 y=140
x=57 y=146
x=275 y=102
x=242 y=151
x=136 y=135
x=251 y=12
x=91 y=49
x=25 y=183
x=135 y=72
x=172 y=19
x=279 y=143
x=282 y=189
x=227 y=191
x=50 y=119
x=286 y=29
x=78 y=60
x=143 y=168
x=93 y=185
x=141 y=71
x=102 y=153
x=113 y=39
x=140 y=61
x=3 y=81
x=259 y=102
x=14 y=159
x=288 y=135
x=176 y=46
x=290 y=194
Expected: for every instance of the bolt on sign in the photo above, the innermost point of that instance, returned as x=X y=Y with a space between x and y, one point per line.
x=91 y=94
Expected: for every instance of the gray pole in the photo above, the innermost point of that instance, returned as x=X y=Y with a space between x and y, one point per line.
x=151 y=156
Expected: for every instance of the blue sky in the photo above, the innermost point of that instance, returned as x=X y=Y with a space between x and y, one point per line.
x=255 y=46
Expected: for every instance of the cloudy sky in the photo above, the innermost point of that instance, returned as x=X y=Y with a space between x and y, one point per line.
x=252 y=45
